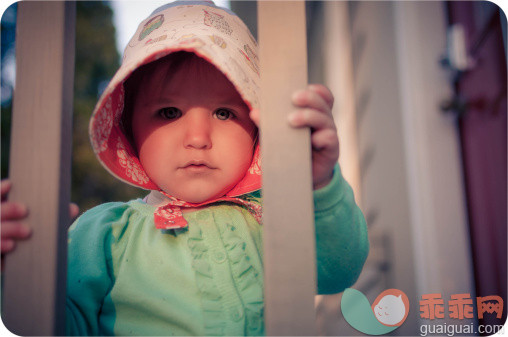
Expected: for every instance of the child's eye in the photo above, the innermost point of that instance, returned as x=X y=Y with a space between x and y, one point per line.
x=223 y=114
x=170 y=113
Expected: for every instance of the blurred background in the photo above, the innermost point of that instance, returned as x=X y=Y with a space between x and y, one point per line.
x=421 y=109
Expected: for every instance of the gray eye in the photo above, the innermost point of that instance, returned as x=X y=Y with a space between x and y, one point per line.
x=223 y=114
x=170 y=113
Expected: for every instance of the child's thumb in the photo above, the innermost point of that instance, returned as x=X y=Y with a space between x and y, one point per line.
x=73 y=210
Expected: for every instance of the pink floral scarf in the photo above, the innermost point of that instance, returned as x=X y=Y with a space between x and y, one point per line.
x=169 y=216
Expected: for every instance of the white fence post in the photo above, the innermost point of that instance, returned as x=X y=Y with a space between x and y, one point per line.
x=288 y=217
x=40 y=164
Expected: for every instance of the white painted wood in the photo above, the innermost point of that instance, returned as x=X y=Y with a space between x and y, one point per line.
x=411 y=179
x=435 y=178
x=288 y=219
x=336 y=54
x=338 y=76
x=382 y=160
x=35 y=274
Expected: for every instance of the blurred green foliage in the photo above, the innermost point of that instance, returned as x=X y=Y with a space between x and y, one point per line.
x=7 y=31
x=97 y=59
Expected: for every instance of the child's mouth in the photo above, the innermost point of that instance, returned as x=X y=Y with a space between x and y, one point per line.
x=197 y=167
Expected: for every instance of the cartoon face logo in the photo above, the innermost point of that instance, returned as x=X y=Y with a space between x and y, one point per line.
x=391 y=307
x=389 y=311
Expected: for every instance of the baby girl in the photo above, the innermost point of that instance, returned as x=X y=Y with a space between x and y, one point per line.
x=180 y=118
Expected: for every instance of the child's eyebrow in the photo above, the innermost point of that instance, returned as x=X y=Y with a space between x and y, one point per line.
x=230 y=99
x=169 y=100
x=233 y=101
x=236 y=104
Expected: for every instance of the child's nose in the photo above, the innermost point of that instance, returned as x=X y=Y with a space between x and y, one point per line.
x=198 y=130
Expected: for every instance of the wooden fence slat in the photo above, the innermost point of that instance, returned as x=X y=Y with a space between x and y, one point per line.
x=35 y=274
x=288 y=219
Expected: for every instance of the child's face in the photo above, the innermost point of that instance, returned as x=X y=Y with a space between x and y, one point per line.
x=193 y=133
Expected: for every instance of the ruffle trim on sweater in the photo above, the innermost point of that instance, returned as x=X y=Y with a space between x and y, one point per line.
x=210 y=295
x=247 y=278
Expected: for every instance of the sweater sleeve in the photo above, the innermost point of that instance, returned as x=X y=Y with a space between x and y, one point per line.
x=342 y=244
x=89 y=273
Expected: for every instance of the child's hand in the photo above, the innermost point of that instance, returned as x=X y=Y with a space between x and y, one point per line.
x=314 y=110
x=13 y=214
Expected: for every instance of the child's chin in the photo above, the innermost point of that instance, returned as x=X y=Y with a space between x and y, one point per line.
x=199 y=197
x=197 y=192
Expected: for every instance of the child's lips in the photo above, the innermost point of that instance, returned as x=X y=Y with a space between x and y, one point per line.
x=197 y=166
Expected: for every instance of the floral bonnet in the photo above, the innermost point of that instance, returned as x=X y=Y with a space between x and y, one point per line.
x=212 y=33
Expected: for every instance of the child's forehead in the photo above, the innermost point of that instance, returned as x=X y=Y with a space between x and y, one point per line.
x=175 y=63
x=179 y=64
x=173 y=75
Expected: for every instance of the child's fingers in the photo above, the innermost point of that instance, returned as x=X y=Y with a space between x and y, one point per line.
x=326 y=140
x=7 y=246
x=73 y=210
x=254 y=115
x=311 y=99
x=324 y=92
x=15 y=230
x=5 y=188
x=13 y=211
x=311 y=118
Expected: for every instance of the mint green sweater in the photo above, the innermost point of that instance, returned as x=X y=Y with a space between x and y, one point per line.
x=125 y=277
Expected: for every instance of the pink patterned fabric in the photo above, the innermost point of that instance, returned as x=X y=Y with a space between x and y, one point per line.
x=213 y=33
x=170 y=215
